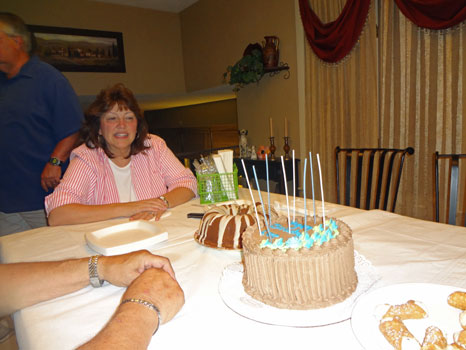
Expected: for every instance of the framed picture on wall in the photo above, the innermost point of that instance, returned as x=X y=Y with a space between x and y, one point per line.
x=79 y=50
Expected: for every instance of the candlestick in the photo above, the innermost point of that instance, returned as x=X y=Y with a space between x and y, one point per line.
x=272 y=148
x=271 y=128
x=286 y=148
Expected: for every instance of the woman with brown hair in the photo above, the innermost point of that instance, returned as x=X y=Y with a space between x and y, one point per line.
x=120 y=170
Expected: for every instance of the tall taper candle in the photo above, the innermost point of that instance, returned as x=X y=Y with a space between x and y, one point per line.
x=286 y=127
x=312 y=184
x=268 y=186
x=252 y=196
x=286 y=194
x=304 y=192
x=321 y=191
x=271 y=128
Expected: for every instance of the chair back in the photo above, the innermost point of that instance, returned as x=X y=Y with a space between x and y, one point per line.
x=452 y=196
x=369 y=178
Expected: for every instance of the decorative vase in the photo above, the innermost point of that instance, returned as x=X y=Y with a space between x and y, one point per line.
x=270 y=51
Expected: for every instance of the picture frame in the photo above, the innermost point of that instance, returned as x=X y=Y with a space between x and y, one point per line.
x=79 y=50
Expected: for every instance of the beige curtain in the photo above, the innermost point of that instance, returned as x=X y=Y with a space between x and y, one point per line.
x=341 y=101
x=422 y=89
x=404 y=88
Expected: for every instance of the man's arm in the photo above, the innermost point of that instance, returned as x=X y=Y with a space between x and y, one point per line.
x=51 y=174
x=133 y=324
x=26 y=284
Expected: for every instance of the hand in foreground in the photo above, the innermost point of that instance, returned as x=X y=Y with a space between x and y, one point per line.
x=50 y=177
x=121 y=270
x=159 y=288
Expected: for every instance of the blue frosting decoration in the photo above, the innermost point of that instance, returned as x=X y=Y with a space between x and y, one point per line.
x=302 y=237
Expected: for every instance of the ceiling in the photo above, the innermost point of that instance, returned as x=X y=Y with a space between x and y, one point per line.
x=175 y=6
x=162 y=101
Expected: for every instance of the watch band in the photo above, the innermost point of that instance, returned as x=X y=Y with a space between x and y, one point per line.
x=55 y=161
x=94 y=279
x=165 y=201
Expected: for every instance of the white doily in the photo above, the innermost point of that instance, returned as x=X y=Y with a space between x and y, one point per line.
x=232 y=292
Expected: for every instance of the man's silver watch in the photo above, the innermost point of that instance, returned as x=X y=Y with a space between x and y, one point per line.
x=96 y=282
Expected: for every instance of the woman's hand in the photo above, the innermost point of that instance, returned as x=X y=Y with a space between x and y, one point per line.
x=147 y=209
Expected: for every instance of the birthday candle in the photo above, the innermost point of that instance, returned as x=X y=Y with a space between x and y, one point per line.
x=252 y=197
x=294 y=190
x=262 y=203
x=321 y=190
x=312 y=184
x=304 y=188
x=286 y=194
x=268 y=189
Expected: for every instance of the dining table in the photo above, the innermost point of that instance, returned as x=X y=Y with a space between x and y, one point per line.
x=399 y=250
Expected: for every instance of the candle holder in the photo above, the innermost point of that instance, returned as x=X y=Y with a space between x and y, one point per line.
x=286 y=148
x=272 y=148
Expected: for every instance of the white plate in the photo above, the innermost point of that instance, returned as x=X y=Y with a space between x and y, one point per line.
x=365 y=323
x=232 y=292
x=127 y=237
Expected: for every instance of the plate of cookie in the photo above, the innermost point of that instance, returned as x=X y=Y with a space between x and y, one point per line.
x=411 y=316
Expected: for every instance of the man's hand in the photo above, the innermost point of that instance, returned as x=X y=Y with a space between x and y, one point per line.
x=159 y=288
x=50 y=177
x=121 y=270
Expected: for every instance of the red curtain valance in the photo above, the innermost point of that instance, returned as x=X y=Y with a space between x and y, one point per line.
x=334 y=40
x=433 y=14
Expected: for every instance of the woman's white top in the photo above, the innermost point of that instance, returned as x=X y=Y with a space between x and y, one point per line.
x=123 y=182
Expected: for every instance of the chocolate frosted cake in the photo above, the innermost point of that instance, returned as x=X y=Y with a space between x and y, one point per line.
x=307 y=268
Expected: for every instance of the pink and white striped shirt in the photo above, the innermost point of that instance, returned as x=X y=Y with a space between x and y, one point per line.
x=89 y=178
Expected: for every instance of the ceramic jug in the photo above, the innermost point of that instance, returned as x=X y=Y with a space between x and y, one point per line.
x=270 y=51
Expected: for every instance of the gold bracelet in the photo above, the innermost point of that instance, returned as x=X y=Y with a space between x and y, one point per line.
x=148 y=305
x=165 y=201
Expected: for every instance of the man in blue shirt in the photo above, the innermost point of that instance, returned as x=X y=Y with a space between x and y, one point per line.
x=40 y=116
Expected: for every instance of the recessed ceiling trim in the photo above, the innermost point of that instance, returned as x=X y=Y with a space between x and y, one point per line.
x=175 y=6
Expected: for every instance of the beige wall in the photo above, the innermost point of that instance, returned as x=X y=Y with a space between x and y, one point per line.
x=152 y=42
x=170 y=53
x=215 y=34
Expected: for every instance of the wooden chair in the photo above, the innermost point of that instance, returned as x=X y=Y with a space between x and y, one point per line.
x=370 y=177
x=451 y=204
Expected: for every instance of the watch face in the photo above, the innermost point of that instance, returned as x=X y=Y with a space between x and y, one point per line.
x=54 y=161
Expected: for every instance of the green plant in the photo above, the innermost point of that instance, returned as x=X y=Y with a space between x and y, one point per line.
x=249 y=69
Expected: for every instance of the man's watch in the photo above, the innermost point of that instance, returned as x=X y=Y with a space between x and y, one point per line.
x=55 y=161
x=96 y=282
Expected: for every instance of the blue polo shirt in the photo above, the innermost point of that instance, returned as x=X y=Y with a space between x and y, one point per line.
x=38 y=108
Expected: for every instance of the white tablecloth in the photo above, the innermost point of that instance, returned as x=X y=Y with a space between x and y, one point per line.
x=401 y=249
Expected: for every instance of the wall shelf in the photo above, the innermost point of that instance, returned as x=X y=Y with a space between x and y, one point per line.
x=276 y=70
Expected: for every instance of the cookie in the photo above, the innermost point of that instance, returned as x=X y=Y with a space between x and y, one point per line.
x=397 y=334
x=458 y=300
